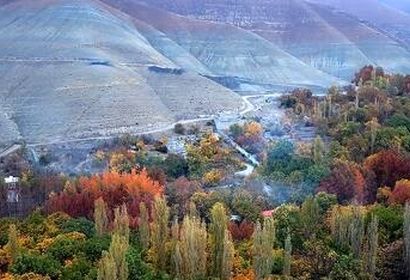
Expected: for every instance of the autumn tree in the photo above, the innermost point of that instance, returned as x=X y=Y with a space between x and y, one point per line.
x=121 y=222
x=118 y=250
x=144 y=230
x=115 y=189
x=263 y=242
x=179 y=194
x=241 y=231
x=100 y=217
x=192 y=249
x=160 y=233
x=106 y=267
x=401 y=192
x=222 y=250
x=113 y=264
x=389 y=167
x=346 y=181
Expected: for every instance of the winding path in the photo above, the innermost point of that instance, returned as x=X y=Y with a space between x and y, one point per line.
x=10 y=150
x=249 y=107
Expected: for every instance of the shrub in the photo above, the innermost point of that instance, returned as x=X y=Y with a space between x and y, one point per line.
x=179 y=129
x=44 y=265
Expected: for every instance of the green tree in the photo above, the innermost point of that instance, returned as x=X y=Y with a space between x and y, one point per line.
x=39 y=264
x=287 y=260
x=310 y=216
x=114 y=263
x=406 y=237
x=356 y=231
x=12 y=244
x=100 y=217
x=221 y=243
x=372 y=246
x=244 y=205
x=263 y=242
x=160 y=233
x=318 y=150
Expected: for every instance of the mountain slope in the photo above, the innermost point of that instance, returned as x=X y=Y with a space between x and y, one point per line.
x=402 y=5
x=227 y=51
x=74 y=69
x=328 y=40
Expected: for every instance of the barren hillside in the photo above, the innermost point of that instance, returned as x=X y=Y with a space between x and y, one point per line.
x=73 y=69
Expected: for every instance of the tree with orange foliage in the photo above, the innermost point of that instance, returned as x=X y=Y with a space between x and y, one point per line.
x=113 y=187
x=401 y=192
x=253 y=129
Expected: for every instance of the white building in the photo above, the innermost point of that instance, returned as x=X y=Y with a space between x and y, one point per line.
x=13 y=190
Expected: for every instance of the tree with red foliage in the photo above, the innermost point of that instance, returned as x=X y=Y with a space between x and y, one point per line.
x=401 y=192
x=388 y=166
x=364 y=75
x=179 y=193
x=406 y=85
x=241 y=231
x=115 y=188
x=346 y=181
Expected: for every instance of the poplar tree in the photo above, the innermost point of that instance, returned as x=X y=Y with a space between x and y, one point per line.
x=113 y=265
x=121 y=222
x=176 y=257
x=310 y=215
x=12 y=244
x=318 y=150
x=340 y=224
x=160 y=233
x=143 y=228
x=100 y=216
x=221 y=243
x=193 y=249
x=118 y=251
x=263 y=243
x=372 y=246
x=287 y=260
x=406 y=238
x=106 y=267
x=356 y=231
x=228 y=256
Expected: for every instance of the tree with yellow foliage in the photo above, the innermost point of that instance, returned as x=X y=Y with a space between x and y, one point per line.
x=13 y=244
x=222 y=250
x=100 y=217
x=160 y=233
